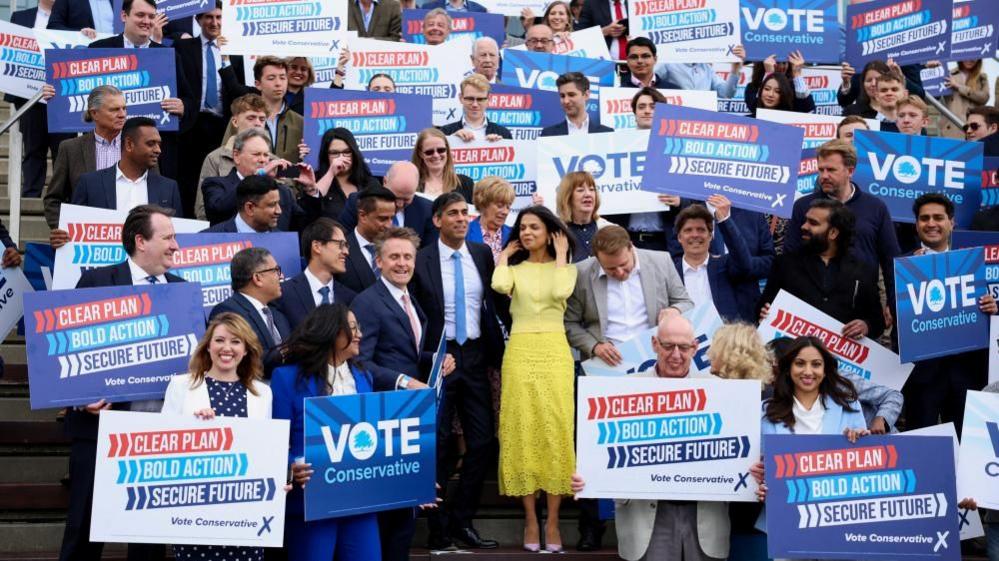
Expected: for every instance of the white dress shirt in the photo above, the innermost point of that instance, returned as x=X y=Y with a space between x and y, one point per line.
x=627 y=315
x=361 y=242
x=42 y=19
x=341 y=380
x=473 y=291
x=479 y=132
x=582 y=129
x=808 y=421
x=140 y=277
x=130 y=194
x=695 y=279
x=315 y=284
x=131 y=45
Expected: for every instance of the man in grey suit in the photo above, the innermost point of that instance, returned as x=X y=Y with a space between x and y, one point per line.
x=619 y=293
x=377 y=19
x=675 y=530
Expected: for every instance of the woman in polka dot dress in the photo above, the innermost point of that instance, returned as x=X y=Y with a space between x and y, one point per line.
x=224 y=380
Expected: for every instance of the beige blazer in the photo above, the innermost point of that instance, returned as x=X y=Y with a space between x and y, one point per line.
x=182 y=399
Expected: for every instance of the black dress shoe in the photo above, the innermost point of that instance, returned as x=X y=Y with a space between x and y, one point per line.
x=469 y=537
x=439 y=542
x=589 y=540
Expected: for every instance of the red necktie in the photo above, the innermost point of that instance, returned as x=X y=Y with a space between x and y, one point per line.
x=622 y=41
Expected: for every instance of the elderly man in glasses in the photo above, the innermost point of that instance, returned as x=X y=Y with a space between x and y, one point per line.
x=474 y=97
x=256 y=283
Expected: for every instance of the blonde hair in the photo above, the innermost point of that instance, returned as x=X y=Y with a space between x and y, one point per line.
x=450 y=179
x=745 y=356
x=250 y=369
x=839 y=146
x=566 y=187
x=311 y=79
x=492 y=189
x=914 y=101
x=477 y=81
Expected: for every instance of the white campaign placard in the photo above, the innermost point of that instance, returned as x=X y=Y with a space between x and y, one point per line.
x=824 y=83
x=969 y=522
x=643 y=437
x=978 y=470
x=434 y=70
x=514 y=7
x=61 y=39
x=994 y=349
x=616 y=112
x=293 y=28
x=512 y=160
x=791 y=317
x=637 y=355
x=819 y=129
x=586 y=43
x=13 y=285
x=95 y=241
x=615 y=159
x=176 y=479
x=22 y=62
x=688 y=31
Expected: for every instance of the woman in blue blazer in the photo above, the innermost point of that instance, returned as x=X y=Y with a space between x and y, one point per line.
x=320 y=355
x=493 y=197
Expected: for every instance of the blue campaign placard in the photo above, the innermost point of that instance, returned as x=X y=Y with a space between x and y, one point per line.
x=473 y=24
x=370 y=452
x=783 y=26
x=909 y=31
x=385 y=125
x=990 y=182
x=146 y=76
x=525 y=111
x=883 y=498
x=898 y=168
x=204 y=258
x=754 y=163
x=936 y=303
x=528 y=69
x=974 y=33
x=173 y=9
x=119 y=343
x=39 y=262
x=935 y=80
x=989 y=242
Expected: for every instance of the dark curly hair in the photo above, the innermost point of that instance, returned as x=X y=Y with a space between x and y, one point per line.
x=779 y=409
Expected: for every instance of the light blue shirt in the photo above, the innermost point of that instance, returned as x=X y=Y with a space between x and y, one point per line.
x=689 y=76
x=367 y=15
x=242 y=227
x=103 y=16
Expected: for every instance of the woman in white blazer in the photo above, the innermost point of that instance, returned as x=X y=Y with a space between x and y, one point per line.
x=224 y=380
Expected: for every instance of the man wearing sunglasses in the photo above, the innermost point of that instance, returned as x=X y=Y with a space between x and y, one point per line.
x=474 y=97
x=256 y=283
x=982 y=124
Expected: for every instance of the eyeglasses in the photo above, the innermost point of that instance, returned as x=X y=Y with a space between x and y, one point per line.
x=341 y=244
x=668 y=348
x=539 y=41
x=479 y=100
x=338 y=153
x=432 y=151
x=972 y=127
x=275 y=269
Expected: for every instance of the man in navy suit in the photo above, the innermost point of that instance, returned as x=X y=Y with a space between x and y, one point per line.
x=150 y=244
x=411 y=211
x=77 y=15
x=375 y=209
x=261 y=201
x=324 y=243
x=452 y=285
x=574 y=92
x=392 y=342
x=130 y=183
x=256 y=284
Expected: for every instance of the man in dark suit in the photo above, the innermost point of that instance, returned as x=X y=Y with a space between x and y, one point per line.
x=473 y=93
x=377 y=19
x=201 y=61
x=574 y=92
x=411 y=211
x=324 y=242
x=150 y=244
x=375 y=209
x=825 y=273
x=392 y=324
x=612 y=23
x=452 y=285
x=76 y=15
x=129 y=183
x=261 y=201
x=256 y=284
x=139 y=17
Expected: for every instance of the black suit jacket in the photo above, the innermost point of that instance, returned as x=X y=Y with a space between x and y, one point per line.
x=417 y=216
x=296 y=299
x=597 y=12
x=427 y=288
x=71 y=15
x=562 y=128
x=238 y=304
x=97 y=189
x=491 y=128
x=80 y=424
x=220 y=204
x=191 y=61
x=25 y=18
x=358 y=275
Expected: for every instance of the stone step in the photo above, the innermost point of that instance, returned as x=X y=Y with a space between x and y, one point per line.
x=14 y=353
x=19 y=409
x=34 y=469
x=29 y=206
x=34 y=229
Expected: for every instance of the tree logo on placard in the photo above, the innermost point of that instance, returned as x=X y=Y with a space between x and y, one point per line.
x=362 y=446
x=907 y=171
x=776 y=20
x=935 y=299
x=594 y=168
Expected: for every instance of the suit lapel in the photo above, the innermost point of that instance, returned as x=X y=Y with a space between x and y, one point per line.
x=152 y=189
x=833 y=417
x=361 y=263
x=110 y=190
x=301 y=290
x=90 y=151
x=599 y=284
x=254 y=316
x=648 y=277
x=433 y=265
x=396 y=309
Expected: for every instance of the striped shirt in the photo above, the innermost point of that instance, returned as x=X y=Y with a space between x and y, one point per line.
x=108 y=153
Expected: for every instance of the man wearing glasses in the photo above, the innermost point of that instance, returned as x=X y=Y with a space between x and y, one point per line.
x=474 y=97
x=540 y=38
x=256 y=283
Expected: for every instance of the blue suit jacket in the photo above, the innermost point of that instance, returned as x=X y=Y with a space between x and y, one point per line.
x=71 y=15
x=238 y=304
x=296 y=299
x=835 y=421
x=289 y=394
x=417 y=216
x=474 y=233
x=562 y=128
x=725 y=272
x=469 y=6
x=387 y=345
x=97 y=189
x=358 y=275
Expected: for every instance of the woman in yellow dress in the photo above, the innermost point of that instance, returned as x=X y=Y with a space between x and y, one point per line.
x=536 y=404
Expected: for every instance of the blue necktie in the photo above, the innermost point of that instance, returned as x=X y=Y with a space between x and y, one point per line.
x=325 y=293
x=211 y=74
x=460 y=326
x=152 y=279
x=370 y=248
x=395 y=220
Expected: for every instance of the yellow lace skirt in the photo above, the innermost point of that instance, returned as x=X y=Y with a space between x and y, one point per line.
x=536 y=415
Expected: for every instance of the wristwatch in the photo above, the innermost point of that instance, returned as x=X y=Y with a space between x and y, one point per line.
x=404 y=382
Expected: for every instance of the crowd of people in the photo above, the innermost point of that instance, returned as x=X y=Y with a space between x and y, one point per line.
x=393 y=263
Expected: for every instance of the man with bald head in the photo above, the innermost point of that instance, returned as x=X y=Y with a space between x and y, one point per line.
x=668 y=529
x=540 y=38
x=411 y=211
x=486 y=59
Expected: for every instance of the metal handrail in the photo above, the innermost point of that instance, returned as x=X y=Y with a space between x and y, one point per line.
x=15 y=151
x=21 y=111
x=945 y=112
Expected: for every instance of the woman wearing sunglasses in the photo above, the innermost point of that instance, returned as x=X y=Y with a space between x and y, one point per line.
x=969 y=89
x=432 y=156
